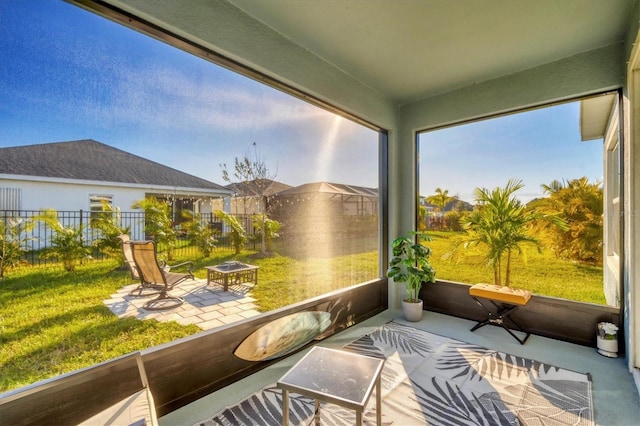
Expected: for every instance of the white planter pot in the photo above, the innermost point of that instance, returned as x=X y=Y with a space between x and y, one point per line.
x=412 y=311
x=608 y=348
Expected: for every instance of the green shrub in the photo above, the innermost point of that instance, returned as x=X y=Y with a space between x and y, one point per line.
x=158 y=224
x=12 y=241
x=238 y=235
x=109 y=224
x=66 y=243
x=200 y=234
x=271 y=228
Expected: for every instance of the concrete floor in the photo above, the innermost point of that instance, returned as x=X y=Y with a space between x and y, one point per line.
x=615 y=395
x=616 y=400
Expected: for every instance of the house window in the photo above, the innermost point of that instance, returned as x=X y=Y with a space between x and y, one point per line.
x=99 y=203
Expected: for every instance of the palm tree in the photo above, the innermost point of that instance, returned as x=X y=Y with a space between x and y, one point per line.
x=237 y=233
x=158 y=223
x=109 y=224
x=13 y=238
x=440 y=199
x=67 y=243
x=501 y=223
x=581 y=203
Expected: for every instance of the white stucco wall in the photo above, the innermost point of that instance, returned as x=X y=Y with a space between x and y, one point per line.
x=64 y=196
x=72 y=195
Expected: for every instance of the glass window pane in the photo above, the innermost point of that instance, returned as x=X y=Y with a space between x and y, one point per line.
x=143 y=122
x=490 y=189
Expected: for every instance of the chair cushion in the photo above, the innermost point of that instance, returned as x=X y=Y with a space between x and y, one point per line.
x=513 y=296
x=135 y=410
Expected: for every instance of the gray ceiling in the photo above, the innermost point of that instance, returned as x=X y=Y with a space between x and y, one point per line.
x=413 y=49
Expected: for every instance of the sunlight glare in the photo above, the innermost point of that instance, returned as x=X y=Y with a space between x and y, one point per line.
x=327 y=150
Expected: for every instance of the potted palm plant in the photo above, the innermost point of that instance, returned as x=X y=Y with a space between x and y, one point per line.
x=410 y=265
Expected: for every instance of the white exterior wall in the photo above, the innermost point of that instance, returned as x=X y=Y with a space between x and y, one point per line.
x=72 y=195
x=64 y=196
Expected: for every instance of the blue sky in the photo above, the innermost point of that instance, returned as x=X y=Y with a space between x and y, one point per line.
x=537 y=146
x=66 y=74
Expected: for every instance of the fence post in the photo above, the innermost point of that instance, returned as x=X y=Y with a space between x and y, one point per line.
x=81 y=227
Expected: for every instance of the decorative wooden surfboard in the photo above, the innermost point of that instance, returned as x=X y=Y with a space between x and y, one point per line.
x=283 y=336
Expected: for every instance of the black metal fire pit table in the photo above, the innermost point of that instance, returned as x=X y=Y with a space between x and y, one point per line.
x=232 y=273
x=337 y=377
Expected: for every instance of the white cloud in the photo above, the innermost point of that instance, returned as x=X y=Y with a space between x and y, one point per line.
x=167 y=98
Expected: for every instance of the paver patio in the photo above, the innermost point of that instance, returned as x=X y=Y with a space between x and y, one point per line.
x=205 y=306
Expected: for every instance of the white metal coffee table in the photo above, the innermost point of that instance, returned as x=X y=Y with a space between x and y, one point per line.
x=338 y=377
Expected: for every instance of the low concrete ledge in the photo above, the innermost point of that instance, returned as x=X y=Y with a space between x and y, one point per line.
x=182 y=371
x=561 y=319
x=119 y=384
x=185 y=370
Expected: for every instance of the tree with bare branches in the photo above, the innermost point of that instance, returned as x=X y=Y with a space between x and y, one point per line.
x=252 y=174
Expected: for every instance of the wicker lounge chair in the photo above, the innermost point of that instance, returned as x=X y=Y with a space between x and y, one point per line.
x=152 y=273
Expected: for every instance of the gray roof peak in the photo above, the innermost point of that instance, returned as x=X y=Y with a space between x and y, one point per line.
x=89 y=160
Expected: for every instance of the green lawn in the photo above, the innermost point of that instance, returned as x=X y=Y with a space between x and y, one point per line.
x=53 y=322
x=541 y=273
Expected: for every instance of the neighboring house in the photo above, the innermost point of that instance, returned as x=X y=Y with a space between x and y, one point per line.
x=245 y=198
x=454 y=205
x=436 y=218
x=324 y=207
x=347 y=200
x=285 y=201
x=81 y=175
x=326 y=218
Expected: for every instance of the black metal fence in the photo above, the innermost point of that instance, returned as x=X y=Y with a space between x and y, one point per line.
x=39 y=236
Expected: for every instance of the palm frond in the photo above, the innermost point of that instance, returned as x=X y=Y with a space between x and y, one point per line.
x=403 y=338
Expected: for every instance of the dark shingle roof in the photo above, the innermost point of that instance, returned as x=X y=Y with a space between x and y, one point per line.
x=91 y=160
x=332 y=188
x=257 y=187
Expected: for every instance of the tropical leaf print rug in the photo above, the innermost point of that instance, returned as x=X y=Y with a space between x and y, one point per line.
x=433 y=380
